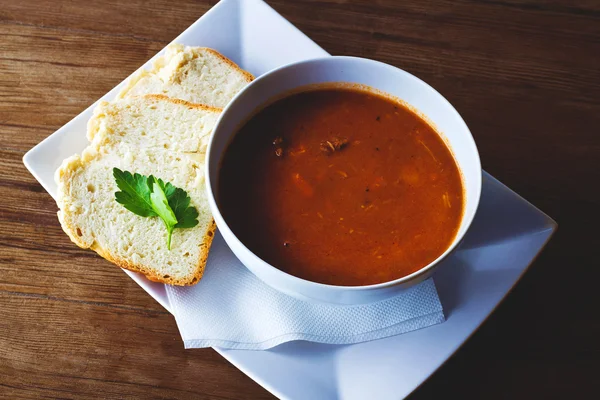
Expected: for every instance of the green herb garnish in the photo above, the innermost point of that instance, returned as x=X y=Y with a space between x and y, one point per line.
x=148 y=196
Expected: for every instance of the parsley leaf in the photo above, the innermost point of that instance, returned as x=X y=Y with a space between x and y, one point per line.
x=148 y=196
x=160 y=204
x=134 y=194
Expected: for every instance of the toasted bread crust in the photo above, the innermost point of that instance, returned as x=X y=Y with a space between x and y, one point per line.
x=199 y=106
x=93 y=125
x=64 y=174
x=247 y=75
x=150 y=274
x=143 y=73
x=71 y=167
x=88 y=239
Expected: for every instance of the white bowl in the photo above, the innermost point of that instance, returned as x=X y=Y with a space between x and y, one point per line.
x=377 y=75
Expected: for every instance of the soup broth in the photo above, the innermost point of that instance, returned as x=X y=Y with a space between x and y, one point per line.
x=341 y=186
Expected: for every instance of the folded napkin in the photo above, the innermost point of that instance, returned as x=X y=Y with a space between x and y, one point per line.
x=231 y=308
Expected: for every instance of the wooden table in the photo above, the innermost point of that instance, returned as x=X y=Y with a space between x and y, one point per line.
x=524 y=74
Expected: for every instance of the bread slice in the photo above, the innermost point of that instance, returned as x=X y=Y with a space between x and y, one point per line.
x=155 y=121
x=195 y=74
x=148 y=135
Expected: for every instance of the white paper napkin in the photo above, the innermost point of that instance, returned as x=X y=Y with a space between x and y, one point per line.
x=231 y=308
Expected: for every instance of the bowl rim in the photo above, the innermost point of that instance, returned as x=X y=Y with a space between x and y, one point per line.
x=222 y=224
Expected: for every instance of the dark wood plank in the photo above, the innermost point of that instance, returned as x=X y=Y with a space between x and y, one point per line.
x=136 y=19
x=525 y=75
x=49 y=76
x=36 y=257
x=85 y=351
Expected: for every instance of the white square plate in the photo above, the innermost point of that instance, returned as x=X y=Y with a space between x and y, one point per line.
x=504 y=239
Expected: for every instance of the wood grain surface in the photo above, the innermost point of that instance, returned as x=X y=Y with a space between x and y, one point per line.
x=524 y=74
